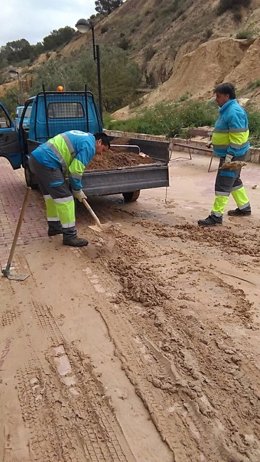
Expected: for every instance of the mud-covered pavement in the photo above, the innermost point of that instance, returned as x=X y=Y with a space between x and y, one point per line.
x=144 y=346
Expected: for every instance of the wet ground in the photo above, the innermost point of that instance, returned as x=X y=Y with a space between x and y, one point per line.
x=144 y=346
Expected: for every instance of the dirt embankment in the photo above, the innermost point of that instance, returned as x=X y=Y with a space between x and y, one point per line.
x=196 y=73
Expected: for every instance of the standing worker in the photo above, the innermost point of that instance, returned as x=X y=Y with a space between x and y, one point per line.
x=66 y=154
x=230 y=143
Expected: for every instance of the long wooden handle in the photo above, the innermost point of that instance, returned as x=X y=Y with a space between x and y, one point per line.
x=92 y=212
x=18 y=227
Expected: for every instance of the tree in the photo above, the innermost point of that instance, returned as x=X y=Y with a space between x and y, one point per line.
x=17 y=50
x=57 y=38
x=107 y=6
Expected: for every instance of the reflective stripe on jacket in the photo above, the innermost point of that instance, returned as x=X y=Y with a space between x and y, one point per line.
x=71 y=151
x=230 y=135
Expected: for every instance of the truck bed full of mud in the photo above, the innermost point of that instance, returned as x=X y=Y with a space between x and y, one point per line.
x=114 y=159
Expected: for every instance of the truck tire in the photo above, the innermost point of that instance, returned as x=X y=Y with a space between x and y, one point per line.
x=131 y=196
x=29 y=178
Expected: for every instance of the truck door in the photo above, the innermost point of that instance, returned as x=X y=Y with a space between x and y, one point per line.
x=9 y=140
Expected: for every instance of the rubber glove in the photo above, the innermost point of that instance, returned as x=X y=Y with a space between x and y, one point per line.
x=80 y=195
x=228 y=158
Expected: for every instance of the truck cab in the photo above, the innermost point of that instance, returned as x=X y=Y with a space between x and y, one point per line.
x=42 y=117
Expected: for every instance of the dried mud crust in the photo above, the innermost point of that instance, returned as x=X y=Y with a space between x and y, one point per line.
x=117 y=158
x=201 y=390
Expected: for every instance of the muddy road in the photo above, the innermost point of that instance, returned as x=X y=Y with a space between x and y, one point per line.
x=142 y=347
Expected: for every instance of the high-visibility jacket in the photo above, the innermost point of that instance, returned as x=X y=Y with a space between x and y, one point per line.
x=230 y=135
x=70 y=151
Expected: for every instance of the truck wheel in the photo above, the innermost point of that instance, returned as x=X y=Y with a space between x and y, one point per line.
x=131 y=196
x=29 y=178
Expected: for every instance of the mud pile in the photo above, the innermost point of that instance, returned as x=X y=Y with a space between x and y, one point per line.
x=117 y=158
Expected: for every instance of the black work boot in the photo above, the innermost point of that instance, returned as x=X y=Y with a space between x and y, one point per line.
x=54 y=228
x=70 y=238
x=240 y=213
x=75 y=241
x=211 y=220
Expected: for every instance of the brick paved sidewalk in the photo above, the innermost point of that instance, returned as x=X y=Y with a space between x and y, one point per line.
x=12 y=191
x=34 y=225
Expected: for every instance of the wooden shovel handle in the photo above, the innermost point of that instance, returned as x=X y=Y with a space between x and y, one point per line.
x=17 y=231
x=91 y=212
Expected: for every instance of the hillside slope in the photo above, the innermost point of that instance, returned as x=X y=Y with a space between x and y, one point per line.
x=159 y=34
x=182 y=47
x=197 y=73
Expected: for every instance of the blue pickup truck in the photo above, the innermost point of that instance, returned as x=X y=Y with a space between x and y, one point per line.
x=26 y=117
x=54 y=112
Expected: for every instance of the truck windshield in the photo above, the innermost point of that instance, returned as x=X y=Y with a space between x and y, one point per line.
x=19 y=111
x=28 y=112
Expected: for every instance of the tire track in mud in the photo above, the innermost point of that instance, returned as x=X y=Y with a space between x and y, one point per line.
x=206 y=385
x=8 y=317
x=63 y=403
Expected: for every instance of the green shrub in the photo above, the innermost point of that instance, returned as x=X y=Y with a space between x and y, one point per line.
x=254 y=84
x=149 y=52
x=169 y=119
x=208 y=33
x=184 y=97
x=237 y=16
x=233 y=5
x=123 y=43
x=104 y=29
x=245 y=34
x=254 y=127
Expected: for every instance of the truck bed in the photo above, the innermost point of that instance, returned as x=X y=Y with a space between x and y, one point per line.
x=125 y=179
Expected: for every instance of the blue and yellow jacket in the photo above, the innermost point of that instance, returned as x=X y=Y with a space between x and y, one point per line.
x=70 y=151
x=230 y=135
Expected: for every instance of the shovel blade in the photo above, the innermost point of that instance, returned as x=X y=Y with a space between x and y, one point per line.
x=96 y=228
x=102 y=228
x=14 y=277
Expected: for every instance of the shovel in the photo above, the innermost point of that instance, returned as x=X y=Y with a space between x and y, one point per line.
x=109 y=241
x=98 y=227
x=6 y=271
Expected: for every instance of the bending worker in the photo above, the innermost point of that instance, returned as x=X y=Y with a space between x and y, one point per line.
x=67 y=154
x=230 y=143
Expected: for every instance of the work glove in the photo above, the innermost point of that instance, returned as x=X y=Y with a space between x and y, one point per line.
x=80 y=195
x=228 y=158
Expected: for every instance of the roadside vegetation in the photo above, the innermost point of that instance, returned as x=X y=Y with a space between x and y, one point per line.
x=177 y=118
x=169 y=119
x=119 y=87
